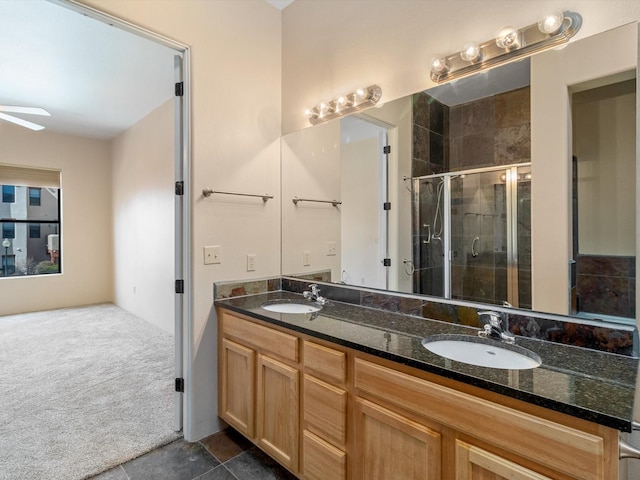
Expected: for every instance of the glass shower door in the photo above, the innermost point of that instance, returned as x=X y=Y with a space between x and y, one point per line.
x=472 y=236
x=479 y=237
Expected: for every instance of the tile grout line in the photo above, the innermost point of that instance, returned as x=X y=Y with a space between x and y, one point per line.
x=124 y=471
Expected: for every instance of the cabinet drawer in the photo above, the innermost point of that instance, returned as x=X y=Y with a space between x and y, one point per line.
x=325 y=410
x=325 y=363
x=265 y=338
x=565 y=449
x=322 y=461
x=473 y=462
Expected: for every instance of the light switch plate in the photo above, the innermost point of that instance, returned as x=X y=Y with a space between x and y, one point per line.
x=251 y=262
x=306 y=258
x=332 y=249
x=212 y=255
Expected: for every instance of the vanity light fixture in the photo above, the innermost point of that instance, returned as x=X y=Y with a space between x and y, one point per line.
x=511 y=44
x=344 y=104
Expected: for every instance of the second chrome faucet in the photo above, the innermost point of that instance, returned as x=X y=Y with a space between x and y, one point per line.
x=495 y=327
x=314 y=294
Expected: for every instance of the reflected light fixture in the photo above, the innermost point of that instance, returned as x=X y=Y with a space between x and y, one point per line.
x=510 y=44
x=344 y=105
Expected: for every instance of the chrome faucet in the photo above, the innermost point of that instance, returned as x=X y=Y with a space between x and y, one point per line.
x=495 y=328
x=314 y=294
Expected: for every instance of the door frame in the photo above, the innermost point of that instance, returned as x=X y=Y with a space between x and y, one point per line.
x=183 y=210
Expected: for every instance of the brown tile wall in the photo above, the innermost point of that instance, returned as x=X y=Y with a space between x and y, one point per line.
x=606 y=285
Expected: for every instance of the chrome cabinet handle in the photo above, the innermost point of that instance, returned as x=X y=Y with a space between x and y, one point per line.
x=627 y=451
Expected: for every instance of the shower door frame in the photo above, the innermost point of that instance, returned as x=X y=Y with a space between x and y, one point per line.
x=511 y=206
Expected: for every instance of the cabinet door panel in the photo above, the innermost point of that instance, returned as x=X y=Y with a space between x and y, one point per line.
x=277 y=411
x=237 y=381
x=390 y=446
x=473 y=463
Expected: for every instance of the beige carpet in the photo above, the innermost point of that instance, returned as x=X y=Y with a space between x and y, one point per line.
x=81 y=390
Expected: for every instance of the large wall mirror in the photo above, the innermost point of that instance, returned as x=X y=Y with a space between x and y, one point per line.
x=514 y=187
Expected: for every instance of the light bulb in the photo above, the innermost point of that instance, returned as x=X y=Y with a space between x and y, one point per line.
x=470 y=52
x=361 y=94
x=508 y=38
x=551 y=23
x=308 y=112
x=439 y=65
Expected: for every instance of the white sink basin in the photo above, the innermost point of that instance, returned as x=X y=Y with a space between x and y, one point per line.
x=481 y=352
x=283 y=306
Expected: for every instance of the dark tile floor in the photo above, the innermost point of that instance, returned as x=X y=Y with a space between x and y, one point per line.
x=226 y=455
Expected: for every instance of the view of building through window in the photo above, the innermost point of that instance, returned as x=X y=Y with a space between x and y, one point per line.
x=30 y=221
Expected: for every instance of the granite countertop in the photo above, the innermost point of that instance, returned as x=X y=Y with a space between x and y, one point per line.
x=593 y=385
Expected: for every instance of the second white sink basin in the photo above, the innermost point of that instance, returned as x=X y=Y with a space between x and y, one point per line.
x=291 y=307
x=480 y=352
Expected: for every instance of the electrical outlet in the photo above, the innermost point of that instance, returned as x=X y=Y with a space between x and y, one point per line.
x=332 y=249
x=251 y=262
x=212 y=255
x=306 y=258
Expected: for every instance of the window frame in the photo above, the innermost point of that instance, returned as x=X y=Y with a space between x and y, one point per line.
x=37 y=197
x=8 y=194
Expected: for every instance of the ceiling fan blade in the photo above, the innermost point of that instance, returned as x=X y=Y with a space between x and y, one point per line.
x=21 y=122
x=28 y=110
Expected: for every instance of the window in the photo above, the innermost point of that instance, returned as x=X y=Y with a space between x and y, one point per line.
x=34 y=230
x=34 y=197
x=30 y=221
x=8 y=230
x=8 y=194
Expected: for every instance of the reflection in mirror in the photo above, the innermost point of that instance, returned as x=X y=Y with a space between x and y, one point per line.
x=604 y=217
x=458 y=181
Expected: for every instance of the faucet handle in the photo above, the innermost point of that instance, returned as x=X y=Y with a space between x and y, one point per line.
x=495 y=318
x=314 y=288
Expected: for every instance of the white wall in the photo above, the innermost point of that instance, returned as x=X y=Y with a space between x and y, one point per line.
x=86 y=220
x=143 y=218
x=235 y=54
x=311 y=169
x=552 y=74
x=604 y=141
x=331 y=47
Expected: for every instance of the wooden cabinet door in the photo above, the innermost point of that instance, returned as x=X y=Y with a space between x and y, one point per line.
x=277 y=411
x=389 y=446
x=237 y=380
x=473 y=463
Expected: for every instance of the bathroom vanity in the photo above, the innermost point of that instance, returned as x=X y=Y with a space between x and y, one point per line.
x=349 y=392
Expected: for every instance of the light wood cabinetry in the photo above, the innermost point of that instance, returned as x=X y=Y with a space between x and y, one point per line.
x=330 y=413
x=324 y=413
x=473 y=463
x=259 y=386
x=277 y=411
x=391 y=446
x=236 y=386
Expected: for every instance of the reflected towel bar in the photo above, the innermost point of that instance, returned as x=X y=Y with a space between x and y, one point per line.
x=335 y=203
x=207 y=192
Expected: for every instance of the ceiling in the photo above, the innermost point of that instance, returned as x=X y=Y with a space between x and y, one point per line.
x=95 y=80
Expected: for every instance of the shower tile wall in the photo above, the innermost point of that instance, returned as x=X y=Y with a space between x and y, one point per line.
x=606 y=284
x=488 y=132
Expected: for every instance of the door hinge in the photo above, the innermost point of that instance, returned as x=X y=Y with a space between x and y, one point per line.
x=386 y=149
x=386 y=205
x=386 y=262
x=180 y=188
x=179 y=286
x=179 y=89
x=180 y=385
